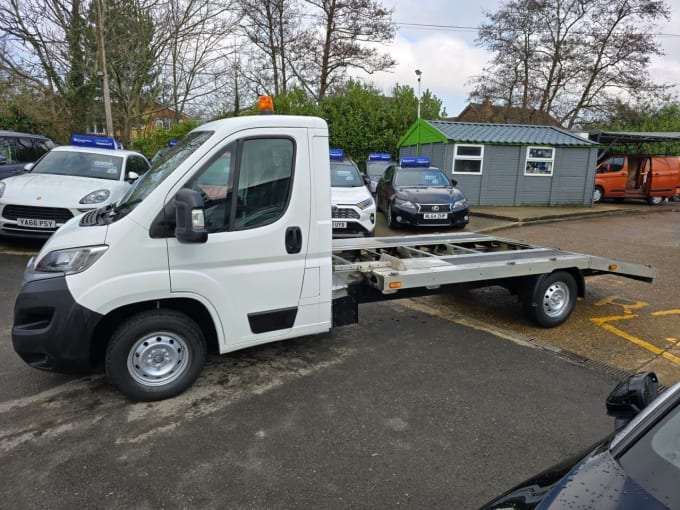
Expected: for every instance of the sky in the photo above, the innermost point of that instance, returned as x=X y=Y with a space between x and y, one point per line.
x=448 y=58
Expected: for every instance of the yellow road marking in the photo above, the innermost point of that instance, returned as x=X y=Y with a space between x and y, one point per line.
x=627 y=305
x=603 y=323
x=666 y=312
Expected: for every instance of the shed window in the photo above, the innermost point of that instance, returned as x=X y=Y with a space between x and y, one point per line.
x=468 y=159
x=540 y=161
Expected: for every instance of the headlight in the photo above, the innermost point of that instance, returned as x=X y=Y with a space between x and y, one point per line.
x=365 y=204
x=71 y=261
x=405 y=204
x=2 y=188
x=95 y=197
x=460 y=203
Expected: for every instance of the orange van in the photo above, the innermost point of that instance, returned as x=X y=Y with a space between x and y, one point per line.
x=651 y=178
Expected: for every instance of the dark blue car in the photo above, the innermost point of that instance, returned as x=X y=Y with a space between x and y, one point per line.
x=638 y=467
x=419 y=195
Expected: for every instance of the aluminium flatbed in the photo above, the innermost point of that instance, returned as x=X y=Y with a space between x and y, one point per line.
x=547 y=280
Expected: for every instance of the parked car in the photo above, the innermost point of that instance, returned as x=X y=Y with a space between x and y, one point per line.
x=67 y=181
x=352 y=206
x=638 y=466
x=417 y=194
x=375 y=167
x=19 y=149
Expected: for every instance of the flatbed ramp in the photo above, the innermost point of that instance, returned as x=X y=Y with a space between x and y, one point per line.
x=389 y=264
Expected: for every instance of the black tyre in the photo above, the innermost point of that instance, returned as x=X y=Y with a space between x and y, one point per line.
x=654 y=200
x=390 y=219
x=552 y=300
x=598 y=194
x=155 y=355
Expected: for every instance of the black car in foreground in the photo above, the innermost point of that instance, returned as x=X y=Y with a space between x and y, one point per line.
x=638 y=467
x=414 y=193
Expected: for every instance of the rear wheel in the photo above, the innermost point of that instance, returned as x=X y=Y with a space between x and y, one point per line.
x=155 y=355
x=598 y=194
x=655 y=200
x=552 y=300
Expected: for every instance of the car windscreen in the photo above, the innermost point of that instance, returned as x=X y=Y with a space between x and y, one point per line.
x=654 y=460
x=377 y=167
x=345 y=175
x=421 y=177
x=80 y=164
x=160 y=171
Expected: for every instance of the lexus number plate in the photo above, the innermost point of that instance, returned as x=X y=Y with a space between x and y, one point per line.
x=435 y=215
x=36 y=223
x=339 y=224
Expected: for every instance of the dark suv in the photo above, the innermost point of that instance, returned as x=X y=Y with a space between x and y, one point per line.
x=19 y=149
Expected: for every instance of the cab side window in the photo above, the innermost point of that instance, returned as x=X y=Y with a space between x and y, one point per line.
x=214 y=183
x=265 y=179
x=25 y=150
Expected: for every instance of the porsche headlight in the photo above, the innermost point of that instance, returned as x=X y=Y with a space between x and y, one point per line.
x=70 y=261
x=365 y=204
x=2 y=188
x=95 y=197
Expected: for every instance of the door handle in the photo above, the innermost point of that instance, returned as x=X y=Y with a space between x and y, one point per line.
x=293 y=240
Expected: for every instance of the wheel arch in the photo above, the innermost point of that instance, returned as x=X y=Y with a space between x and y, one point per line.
x=192 y=308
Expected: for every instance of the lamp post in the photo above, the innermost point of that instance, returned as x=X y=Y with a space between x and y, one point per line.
x=418 y=74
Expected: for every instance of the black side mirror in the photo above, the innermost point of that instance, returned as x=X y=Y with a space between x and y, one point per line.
x=189 y=217
x=632 y=396
x=454 y=182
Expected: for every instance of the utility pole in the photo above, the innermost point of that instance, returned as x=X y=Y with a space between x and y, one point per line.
x=102 y=66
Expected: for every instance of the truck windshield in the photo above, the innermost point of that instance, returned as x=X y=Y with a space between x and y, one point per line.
x=160 y=171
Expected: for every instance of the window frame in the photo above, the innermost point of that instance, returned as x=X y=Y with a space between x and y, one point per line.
x=529 y=159
x=457 y=157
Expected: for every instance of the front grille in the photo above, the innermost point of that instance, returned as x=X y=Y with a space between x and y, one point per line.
x=423 y=208
x=12 y=212
x=345 y=214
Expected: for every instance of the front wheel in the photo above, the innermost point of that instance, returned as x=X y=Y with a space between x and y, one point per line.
x=655 y=200
x=598 y=194
x=390 y=219
x=155 y=355
x=552 y=300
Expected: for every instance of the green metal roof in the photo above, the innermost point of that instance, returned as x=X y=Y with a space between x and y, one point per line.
x=486 y=133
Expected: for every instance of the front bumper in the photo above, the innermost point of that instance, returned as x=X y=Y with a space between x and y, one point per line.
x=351 y=221
x=38 y=222
x=406 y=216
x=51 y=331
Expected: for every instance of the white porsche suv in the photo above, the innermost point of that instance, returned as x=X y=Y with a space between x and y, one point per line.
x=66 y=182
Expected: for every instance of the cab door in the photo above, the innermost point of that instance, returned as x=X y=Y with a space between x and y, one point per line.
x=250 y=272
x=611 y=176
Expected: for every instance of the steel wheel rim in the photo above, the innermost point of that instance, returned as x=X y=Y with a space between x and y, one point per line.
x=158 y=359
x=555 y=299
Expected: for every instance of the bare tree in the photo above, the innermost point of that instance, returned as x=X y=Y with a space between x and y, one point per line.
x=340 y=37
x=271 y=26
x=568 y=58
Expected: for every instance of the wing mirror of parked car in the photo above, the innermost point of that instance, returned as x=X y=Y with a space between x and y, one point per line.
x=632 y=396
x=189 y=217
x=28 y=167
x=3 y=160
x=367 y=179
x=454 y=182
x=132 y=176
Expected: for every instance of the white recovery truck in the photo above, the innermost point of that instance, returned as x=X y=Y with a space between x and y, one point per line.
x=226 y=243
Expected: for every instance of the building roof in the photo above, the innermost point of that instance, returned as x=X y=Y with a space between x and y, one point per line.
x=499 y=114
x=433 y=131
